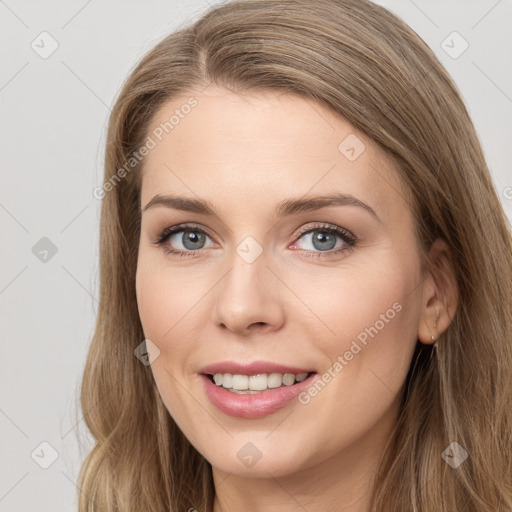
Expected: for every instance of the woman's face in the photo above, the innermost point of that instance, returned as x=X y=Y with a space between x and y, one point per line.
x=313 y=303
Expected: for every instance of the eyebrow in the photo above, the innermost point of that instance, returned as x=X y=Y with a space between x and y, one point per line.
x=284 y=208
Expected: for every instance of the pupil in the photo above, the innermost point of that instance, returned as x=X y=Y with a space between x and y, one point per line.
x=192 y=240
x=323 y=238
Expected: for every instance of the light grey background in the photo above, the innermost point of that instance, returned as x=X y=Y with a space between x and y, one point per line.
x=53 y=120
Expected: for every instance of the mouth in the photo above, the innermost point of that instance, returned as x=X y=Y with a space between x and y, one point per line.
x=254 y=395
x=257 y=383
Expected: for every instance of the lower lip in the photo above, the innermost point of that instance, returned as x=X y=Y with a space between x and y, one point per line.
x=253 y=405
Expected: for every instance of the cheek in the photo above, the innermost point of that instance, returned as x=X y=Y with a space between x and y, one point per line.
x=362 y=303
x=365 y=322
x=168 y=318
x=369 y=324
x=163 y=315
x=152 y=301
x=166 y=298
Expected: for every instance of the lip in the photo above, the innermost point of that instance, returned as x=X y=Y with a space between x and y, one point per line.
x=253 y=368
x=256 y=405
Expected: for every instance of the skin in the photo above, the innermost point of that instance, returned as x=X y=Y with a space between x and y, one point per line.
x=294 y=304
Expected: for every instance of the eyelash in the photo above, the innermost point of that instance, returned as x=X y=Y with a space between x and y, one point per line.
x=349 y=239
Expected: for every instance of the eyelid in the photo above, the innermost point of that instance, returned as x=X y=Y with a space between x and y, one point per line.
x=324 y=225
x=171 y=230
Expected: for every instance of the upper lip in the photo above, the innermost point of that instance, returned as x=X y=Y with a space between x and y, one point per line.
x=252 y=368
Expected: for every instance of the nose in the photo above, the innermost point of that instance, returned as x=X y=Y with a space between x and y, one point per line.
x=249 y=299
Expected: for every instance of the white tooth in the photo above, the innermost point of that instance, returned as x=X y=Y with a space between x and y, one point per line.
x=300 y=377
x=227 y=380
x=258 y=382
x=240 y=382
x=274 y=380
x=288 y=379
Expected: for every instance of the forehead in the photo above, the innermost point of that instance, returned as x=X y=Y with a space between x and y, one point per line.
x=265 y=145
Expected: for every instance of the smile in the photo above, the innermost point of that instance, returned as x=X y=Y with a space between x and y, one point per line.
x=275 y=391
x=250 y=384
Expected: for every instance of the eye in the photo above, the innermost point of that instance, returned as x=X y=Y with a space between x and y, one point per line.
x=325 y=239
x=190 y=237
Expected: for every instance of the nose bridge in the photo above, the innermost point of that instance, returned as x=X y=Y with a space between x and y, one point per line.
x=246 y=295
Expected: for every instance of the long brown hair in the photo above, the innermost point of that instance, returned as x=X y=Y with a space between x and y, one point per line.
x=364 y=63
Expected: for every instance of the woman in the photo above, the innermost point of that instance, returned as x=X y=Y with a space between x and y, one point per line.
x=306 y=276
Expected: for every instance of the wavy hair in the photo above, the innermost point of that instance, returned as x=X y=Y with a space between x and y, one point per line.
x=363 y=62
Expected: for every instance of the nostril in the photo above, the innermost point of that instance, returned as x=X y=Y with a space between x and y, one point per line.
x=257 y=324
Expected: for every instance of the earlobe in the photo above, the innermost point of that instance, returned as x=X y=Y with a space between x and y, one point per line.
x=440 y=294
x=429 y=332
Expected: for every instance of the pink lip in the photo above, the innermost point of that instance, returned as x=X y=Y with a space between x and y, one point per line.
x=252 y=405
x=251 y=369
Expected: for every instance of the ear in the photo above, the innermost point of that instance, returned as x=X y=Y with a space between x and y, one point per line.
x=440 y=295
